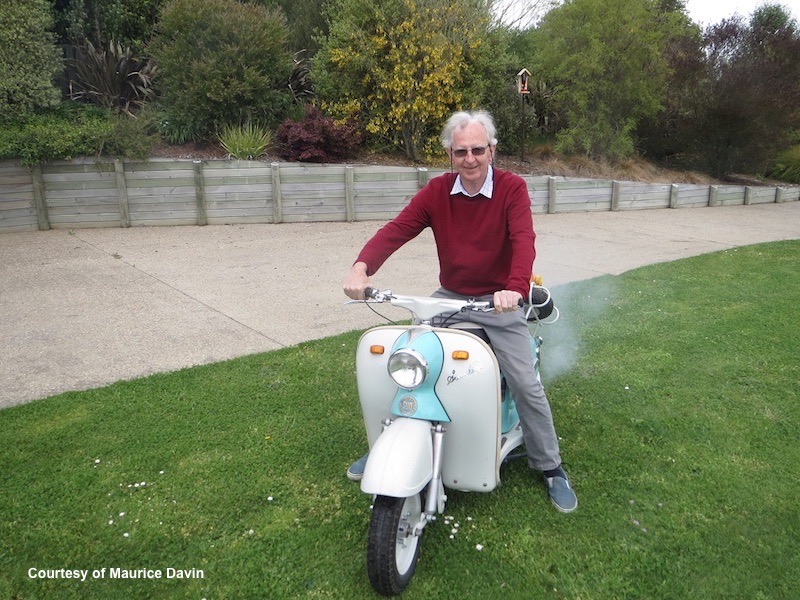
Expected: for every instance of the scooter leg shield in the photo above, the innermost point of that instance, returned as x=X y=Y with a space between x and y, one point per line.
x=400 y=462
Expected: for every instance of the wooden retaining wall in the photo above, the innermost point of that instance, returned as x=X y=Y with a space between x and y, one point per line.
x=116 y=193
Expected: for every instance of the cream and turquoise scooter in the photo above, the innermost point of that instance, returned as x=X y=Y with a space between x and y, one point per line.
x=438 y=415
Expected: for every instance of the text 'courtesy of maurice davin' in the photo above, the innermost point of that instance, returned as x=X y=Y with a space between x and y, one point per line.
x=115 y=573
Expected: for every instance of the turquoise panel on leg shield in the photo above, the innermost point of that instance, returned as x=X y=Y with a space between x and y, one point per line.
x=421 y=402
x=508 y=409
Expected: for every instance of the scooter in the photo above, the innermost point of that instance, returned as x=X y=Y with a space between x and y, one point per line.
x=438 y=415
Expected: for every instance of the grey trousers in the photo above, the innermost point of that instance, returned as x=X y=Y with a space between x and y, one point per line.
x=510 y=338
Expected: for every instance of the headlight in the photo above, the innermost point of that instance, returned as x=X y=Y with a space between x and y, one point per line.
x=408 y=368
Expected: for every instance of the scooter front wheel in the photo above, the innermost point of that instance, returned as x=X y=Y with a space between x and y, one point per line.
x=392 y=547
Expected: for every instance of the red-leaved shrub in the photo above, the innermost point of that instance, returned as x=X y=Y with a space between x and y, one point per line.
x=317 y=138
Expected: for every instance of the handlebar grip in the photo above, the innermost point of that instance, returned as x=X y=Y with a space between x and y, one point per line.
x=369 y=292
x=520 y=303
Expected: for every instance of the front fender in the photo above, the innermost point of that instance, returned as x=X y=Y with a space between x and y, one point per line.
x=400 y=462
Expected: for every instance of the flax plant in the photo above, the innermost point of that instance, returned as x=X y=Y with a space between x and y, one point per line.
x=245 y=142
x=112 y=78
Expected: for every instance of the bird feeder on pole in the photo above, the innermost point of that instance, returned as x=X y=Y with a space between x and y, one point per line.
x=523 y=90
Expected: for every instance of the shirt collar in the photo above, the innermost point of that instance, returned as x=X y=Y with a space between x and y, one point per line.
x=486 y=190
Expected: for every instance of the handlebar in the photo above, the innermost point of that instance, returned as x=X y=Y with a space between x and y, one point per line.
x=382 y=296
x=425 y=307
x=540 y=304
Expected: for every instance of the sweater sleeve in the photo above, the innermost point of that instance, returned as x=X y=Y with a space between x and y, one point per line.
x=522 y=236
x=411 y=221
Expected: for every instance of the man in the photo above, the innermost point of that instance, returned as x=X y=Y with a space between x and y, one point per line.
x=481 y=220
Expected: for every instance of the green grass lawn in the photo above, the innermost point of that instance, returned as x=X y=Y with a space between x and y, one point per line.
x=674 y=389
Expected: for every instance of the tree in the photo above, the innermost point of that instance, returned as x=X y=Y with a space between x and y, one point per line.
x=494 y=76
x=101 y=21
x=400 y=66
x=29 y=57
x=221 y=62
x=752 y=103
x=604 y=61
x=306 y=21
x=667 y=135
x=521 y=14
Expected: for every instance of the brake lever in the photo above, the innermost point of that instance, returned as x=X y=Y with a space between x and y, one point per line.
x=478 y=307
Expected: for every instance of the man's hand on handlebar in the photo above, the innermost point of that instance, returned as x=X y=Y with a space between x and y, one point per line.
x=356 y=281
x=506 y=301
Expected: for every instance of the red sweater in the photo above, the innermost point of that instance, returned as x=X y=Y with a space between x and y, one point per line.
x=484 y=245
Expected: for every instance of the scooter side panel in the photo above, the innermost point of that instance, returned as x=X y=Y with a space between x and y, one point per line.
x=470 y=392
x=400 y=462
x=376 y=390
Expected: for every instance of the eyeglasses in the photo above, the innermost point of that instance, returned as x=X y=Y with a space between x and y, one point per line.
x=476 y=151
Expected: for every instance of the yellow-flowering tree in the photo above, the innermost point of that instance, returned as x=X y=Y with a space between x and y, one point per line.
x=401 y=66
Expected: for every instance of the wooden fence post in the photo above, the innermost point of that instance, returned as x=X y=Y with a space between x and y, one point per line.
x=615 y=187
x=122 y=193
x=712 y=195
x=40 y=202
x=200 y=193
x=277 y=201
x=551 y=195
x=673 y=196
x=349 y=194
x=422 y=177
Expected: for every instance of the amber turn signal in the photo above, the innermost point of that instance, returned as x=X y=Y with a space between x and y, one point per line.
x=460 y=355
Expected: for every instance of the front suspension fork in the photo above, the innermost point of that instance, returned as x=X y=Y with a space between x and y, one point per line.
x=435 y=497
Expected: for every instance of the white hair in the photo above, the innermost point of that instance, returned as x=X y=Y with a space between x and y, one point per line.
x=460 y=120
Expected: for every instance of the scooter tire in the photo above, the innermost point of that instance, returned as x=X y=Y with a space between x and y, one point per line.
x=392 y=547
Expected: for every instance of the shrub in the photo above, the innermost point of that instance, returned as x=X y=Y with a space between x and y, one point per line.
x=59 y=134
x=317 y=138
x=113 y=78
x=221 y=62
x=787 y=166
x=131 y=137
x=178 y=128
x=29 y=57
x=71 y=130
x=246 y=142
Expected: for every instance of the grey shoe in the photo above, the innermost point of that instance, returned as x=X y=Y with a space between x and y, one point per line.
x=356 y=470
x=561 y=494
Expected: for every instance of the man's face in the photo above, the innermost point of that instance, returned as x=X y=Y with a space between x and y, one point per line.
x=473 y=169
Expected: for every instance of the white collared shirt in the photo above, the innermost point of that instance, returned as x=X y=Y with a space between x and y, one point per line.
x=486 y=190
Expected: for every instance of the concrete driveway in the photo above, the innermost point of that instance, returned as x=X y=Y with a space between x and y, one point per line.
x=88 y=307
